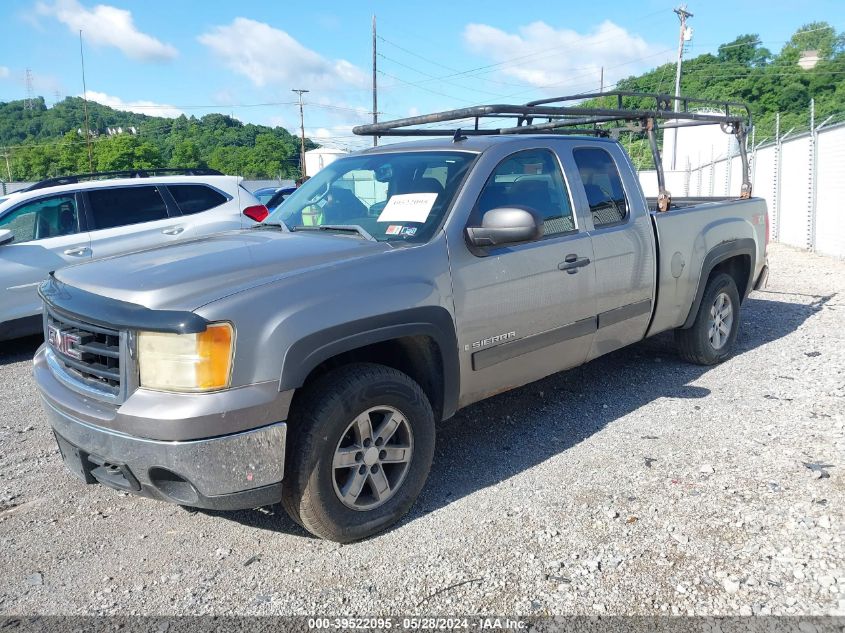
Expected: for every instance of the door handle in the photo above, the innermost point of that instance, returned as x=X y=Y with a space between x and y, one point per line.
x=572 y=263
x=77 y=252
x=173 y=230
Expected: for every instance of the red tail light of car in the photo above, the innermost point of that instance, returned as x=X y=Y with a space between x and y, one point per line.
x=257 y=212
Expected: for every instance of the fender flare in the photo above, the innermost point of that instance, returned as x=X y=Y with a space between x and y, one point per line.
x=436 y=322
x=718 y=254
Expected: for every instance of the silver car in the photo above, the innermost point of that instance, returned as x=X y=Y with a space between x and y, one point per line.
x=51 y=227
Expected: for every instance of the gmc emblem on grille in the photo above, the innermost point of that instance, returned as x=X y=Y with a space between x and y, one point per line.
x=64 y=342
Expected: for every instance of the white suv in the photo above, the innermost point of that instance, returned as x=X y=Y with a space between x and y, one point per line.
x=50 y=226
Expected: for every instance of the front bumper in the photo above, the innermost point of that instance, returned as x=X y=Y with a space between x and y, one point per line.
x=226 y=472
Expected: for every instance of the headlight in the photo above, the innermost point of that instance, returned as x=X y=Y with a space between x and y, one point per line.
x=187 y=362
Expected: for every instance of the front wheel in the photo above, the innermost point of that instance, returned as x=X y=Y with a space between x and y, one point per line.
x=361 y=449
x=711 y=338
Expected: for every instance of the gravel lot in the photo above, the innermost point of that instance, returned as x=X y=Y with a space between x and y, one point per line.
x=636 y=484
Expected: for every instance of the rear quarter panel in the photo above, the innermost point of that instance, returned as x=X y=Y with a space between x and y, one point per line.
x=686 y=236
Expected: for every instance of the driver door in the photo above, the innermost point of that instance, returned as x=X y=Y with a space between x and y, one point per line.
x=523 y=312
x=49 y=234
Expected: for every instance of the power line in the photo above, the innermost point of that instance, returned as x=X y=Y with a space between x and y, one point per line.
x=422 y=72
x=537 y=53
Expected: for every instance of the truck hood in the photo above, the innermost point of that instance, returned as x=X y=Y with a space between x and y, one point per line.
x=190 y=274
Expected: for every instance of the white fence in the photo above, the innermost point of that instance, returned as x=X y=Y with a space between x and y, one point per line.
x=802 y=179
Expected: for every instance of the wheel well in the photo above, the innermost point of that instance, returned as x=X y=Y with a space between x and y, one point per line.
x=417 y=356
x=738 y=267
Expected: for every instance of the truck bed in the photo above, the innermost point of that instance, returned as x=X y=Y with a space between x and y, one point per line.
x=683 y=203
x=696 y=228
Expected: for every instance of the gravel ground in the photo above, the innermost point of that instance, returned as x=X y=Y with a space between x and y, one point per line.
x=636 y=484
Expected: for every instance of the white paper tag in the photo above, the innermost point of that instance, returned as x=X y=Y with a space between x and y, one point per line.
x=408 y=207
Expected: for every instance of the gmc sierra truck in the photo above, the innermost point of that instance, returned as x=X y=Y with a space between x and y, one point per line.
x=307 y=359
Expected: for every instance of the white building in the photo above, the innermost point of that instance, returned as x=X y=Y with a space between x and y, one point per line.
x=691 y=145
x=316 y=159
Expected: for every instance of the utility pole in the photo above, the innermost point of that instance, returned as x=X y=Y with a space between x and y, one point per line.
x=682 y=14
x=300 y=92
x=601 y=83
x=85 y=107
x=375 y=89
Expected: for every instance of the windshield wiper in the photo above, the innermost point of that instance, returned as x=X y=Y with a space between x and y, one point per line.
x=352 y=228
x=275 y=225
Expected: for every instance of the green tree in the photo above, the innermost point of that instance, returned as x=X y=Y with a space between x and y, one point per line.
x=125 y=151
x=815 y=36
x=745 y=50
x=72 y=154
x=186 y=153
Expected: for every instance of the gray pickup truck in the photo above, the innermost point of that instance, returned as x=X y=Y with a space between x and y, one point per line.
x=307 y=360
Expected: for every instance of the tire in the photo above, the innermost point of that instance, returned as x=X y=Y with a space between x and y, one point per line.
x=328 y=451
x=699 y=344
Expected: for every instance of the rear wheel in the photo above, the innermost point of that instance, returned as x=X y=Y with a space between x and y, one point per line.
x=363 y=441
x=711 y=338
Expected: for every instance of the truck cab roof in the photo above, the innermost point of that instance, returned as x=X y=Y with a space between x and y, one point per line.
x=477 y=144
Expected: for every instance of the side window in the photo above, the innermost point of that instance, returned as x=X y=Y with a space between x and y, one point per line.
x=196 y=198
x=531 y=179
x=603 y=186
x=42 y=218
x=119 y=206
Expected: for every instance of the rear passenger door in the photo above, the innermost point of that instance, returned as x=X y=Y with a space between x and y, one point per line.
x=526 y=310
x=623 y=243
x=205 y=209
x=130 y=218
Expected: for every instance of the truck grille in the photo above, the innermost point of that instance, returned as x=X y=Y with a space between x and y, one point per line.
x=89 y=354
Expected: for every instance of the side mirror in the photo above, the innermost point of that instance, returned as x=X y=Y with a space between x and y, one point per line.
x=506 y=225
x=6 y=236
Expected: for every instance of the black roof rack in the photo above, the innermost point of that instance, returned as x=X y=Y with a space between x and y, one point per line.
x=568 y=115
x=127 y=173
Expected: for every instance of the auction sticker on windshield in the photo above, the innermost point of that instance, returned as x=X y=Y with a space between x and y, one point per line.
x=408 y=207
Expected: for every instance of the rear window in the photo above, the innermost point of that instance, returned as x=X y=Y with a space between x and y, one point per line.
x=119 y=206
x=196 y=198
x=602 y=185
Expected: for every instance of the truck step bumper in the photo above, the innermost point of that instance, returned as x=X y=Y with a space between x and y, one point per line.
x=242 y=470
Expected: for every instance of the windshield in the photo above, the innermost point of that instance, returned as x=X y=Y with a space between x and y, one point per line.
x=264 y=196
x=392 y=196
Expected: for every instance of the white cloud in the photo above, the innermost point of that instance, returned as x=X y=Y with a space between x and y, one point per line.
x=4 y=72
x=562 y=59
x=109 y=26
x=150 y=108
x=269 y=56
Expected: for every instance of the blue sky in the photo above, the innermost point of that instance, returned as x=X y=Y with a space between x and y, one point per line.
x=164 y=57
